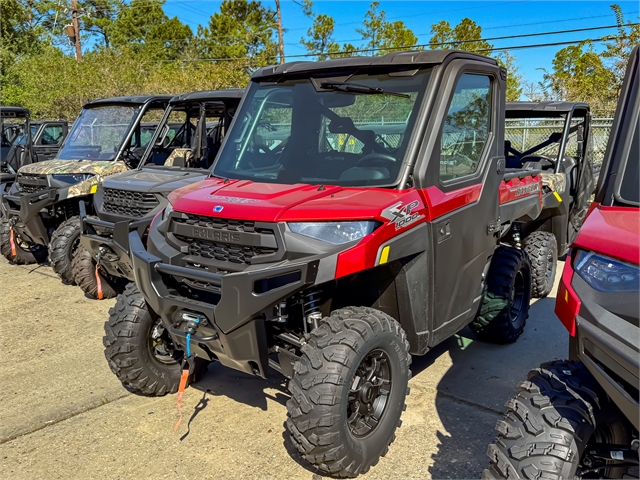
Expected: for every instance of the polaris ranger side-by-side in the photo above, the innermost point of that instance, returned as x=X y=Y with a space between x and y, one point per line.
x=353 y=218
x=561 y=152
x=26 y=141
x=41 y=209
x=131 y=199
x=580 y=418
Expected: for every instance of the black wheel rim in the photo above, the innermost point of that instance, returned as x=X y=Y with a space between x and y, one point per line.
x=161 y=347
x=550 y=274
x=369 y=393
x=517 y=296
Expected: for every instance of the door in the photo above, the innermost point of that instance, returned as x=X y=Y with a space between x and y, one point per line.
x=463 y=199
x=48 y=141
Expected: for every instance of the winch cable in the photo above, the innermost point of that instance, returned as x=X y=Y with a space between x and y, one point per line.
x=192 y=326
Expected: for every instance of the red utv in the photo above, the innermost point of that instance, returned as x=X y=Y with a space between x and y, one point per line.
x=580 y=418
x=358 y=213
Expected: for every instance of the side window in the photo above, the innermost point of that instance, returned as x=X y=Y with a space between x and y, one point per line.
x=51 y=135
x=466 y=127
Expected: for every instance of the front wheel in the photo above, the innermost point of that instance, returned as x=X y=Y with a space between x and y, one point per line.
x=17 y=250
x=348 y=391
x=86 y=274
x=556 y=419
x=139 y=350
x=505 y=303
x=64 y=242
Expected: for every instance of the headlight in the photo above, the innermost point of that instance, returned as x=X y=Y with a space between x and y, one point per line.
x=335 y=233
x=606 y=274
x=72 y=178
x=168 y=209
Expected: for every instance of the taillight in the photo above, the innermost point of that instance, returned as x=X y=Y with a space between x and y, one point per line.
x=567 y=301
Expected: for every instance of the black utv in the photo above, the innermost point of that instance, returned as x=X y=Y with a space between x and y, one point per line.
x=552 y=137
x=40 y=212
x=182 y=149
x=26 y=141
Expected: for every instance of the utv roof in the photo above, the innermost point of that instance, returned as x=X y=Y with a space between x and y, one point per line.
x=13 y=112
x=210 y=95
x=394 y=59
x=542 y=109
x=133 y=100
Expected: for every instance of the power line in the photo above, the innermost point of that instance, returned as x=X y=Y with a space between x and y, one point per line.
x=457 y=42
x=351 y=52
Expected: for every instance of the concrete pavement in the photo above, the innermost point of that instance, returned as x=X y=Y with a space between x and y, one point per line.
x=63 y=414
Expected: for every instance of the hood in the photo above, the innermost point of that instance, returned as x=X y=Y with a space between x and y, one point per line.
x=61 y=167
x=620 y=226
x=268 y=202
x=153 y=180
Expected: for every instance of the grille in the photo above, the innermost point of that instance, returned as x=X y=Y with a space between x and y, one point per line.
x=130 y=204
x=32 y=183
x=25 y=188
x=220 y=223
x=223 y=252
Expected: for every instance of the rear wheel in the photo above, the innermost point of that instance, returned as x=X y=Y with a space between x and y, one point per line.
x=26 y=253
x=348 y=391
x=140 y=351
x=556 y=418
x=83 y=268
x=542 y=250
x=505 y=304
x=64 y=242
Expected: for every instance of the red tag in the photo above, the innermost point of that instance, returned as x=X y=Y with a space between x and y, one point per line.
x=99 y=283
x=12 y=242
x=183 y=384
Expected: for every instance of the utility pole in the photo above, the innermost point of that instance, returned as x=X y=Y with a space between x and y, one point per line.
x=280 y=37
x=76 y=28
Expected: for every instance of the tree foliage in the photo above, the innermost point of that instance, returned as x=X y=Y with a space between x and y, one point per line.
x=466 y=35
x=382 y=36
x=241 y=28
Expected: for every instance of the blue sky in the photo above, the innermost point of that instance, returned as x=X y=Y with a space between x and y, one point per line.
x=497 y=18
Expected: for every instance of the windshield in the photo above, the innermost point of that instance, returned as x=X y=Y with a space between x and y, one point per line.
x=350 y=131
x=98 y=133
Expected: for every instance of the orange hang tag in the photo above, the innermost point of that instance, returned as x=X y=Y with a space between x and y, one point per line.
x=12 y=242
x=183 y=384
x=99 y=283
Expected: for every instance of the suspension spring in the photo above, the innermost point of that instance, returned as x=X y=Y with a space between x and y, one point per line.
x=311 y=302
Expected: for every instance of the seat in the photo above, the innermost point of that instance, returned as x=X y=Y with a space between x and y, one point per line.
x=180 y=157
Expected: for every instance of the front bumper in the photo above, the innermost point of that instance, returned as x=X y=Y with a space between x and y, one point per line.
x=113 y=249
x=22 y=212
x=233 y=329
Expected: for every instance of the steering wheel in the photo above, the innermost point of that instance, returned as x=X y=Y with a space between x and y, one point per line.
x=537 y=157
x=377 y=160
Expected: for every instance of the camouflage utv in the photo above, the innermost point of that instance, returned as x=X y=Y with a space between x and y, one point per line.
x=40 y=211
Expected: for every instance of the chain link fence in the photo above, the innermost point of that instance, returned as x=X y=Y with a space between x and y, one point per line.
x=528 y=133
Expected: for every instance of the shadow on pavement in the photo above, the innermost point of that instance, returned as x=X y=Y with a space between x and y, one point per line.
x=481 y=379
x=243 y=388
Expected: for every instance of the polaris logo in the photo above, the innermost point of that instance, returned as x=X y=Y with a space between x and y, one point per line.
x=216 y=235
